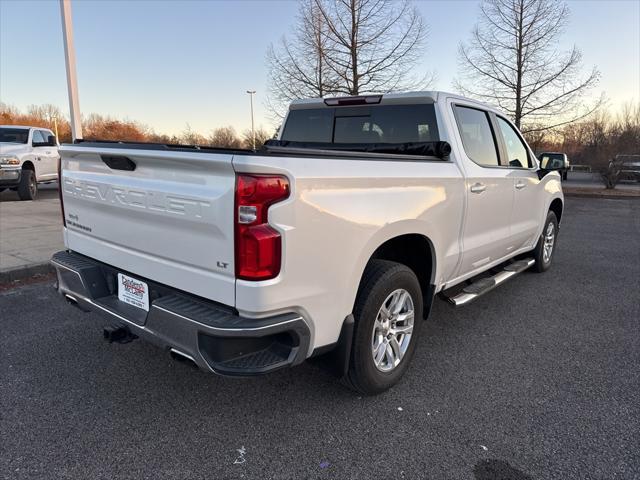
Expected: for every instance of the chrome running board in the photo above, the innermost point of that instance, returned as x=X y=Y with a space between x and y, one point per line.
x=484 y=285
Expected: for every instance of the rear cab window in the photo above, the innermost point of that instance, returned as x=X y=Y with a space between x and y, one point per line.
x=377 y=124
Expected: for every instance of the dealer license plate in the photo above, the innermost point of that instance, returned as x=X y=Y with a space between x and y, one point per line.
x=133 y=291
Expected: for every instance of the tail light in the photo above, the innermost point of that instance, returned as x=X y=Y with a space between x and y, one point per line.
x=258 y=245
x=60 y=187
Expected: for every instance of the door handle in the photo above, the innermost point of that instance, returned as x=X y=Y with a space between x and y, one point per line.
x=520 y=185
x=478 y=188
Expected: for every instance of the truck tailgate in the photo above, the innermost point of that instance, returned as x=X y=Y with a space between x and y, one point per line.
x=169 y=219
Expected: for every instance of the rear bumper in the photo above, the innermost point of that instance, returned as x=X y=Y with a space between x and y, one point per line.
x=214 y=336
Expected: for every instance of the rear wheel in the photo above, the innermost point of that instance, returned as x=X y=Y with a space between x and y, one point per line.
x=28 y=188
x=545 y=248
x=388 y=314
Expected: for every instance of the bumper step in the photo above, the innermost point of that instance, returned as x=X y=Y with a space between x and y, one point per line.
x=484 y=285
x=213 y=336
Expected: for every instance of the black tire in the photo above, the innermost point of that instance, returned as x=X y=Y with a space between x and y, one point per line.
x=381 y=279
x=543 y=263
x=28 y=188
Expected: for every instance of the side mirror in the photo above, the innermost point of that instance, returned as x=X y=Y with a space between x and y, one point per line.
x=51 y=141
x=549 y=164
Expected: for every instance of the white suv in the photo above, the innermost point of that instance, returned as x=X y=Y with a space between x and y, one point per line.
x=28 y=156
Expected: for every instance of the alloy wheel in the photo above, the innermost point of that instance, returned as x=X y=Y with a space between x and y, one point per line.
x=549 y=239
x=392 y=330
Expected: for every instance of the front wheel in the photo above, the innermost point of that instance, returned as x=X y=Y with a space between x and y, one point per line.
x=28 y=188
x=545 y=248
x=388 y=315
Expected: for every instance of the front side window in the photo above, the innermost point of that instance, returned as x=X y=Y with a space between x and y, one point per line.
x=516 y=150
x=477 y=136
x=45 y=135
x=37 y=137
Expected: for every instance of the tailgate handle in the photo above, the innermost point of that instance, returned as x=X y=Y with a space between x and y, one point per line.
x=118 y=162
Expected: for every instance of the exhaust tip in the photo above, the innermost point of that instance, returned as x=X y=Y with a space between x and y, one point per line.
x=71 y=299
x=182 y=357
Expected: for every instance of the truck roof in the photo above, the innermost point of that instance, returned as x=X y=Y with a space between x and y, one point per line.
x=430 y=96
x=24 y=126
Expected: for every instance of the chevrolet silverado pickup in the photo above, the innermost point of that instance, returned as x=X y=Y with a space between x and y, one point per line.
x=331 y=241
x=28 y=156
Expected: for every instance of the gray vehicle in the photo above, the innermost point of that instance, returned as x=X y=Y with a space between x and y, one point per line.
x=629 y=166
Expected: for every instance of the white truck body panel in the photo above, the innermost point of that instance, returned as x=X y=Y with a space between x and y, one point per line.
x=340 y=211
x=171 y=219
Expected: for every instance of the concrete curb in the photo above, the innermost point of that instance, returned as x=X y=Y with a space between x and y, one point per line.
x=25 y=272
x=599 y=194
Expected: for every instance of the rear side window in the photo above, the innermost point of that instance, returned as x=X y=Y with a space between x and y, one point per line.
x=516 y=150
x=366 y=124
x=14 y=135
x=477 y=136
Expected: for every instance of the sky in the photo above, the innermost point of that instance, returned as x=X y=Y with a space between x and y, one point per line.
x=169 y=64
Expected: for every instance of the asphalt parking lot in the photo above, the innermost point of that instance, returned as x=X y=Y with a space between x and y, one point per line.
x=539 y=379
x=29 y=230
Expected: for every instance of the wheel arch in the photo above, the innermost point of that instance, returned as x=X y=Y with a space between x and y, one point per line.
x=417 y=252
x=29 y=165
x=556 y=206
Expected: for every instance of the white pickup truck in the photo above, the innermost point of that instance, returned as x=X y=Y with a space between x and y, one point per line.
x=28 y=156
x=331 y=241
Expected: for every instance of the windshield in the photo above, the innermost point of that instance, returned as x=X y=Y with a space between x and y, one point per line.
x=379 y=124
x=14 y=135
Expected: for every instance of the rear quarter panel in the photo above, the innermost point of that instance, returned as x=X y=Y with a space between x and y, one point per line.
x=339 y=212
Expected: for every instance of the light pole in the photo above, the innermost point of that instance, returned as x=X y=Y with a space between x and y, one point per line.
x=253 y=130
x=70 y=61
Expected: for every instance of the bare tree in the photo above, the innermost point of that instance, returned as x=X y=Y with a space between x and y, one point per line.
x=512 y=60
x=191 y=137
x=225 y=137
x=348 y=47
x=297 y=66
x=262 y=136
x=373 y=44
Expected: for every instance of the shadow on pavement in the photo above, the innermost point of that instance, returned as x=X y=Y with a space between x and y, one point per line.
x=498 y=470
x=46 y=191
